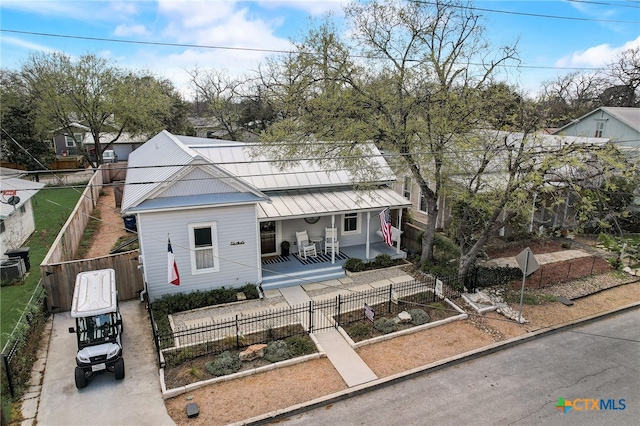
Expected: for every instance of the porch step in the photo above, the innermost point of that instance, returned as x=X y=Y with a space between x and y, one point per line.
x=274 y=281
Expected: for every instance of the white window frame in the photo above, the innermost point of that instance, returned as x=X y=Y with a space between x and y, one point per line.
x=214 y=247
x=350 y=216
x=407 y=191
x=600 y=125
x=72 y=141
x=419 y=206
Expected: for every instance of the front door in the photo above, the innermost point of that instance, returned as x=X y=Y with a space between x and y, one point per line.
x=268 y=238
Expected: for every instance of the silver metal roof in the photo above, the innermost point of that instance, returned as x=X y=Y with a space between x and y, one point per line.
x=259 y=171
x=303 y=203
x=25 y=189
x=161 y=161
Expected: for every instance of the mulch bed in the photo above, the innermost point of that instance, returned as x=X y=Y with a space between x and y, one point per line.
x=560 y=272
x=510 y=249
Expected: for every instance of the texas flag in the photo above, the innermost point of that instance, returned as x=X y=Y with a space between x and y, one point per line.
x=174 y=278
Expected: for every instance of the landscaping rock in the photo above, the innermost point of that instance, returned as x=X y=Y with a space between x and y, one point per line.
x=253 y=352
x=404 y=317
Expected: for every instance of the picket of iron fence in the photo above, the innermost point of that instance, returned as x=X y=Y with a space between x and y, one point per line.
x=242 y=330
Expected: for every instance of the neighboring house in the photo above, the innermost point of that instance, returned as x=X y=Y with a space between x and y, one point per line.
x=227 y=210
x=545 y=216
x=68 y=143
x=620 y=125
x=16 y=214
x=124 y=146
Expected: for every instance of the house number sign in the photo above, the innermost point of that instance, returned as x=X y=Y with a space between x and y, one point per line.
x=237 y=243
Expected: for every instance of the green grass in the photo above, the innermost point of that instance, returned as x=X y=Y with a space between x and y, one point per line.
x=52 y=207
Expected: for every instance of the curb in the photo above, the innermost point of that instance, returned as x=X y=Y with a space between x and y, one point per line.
x=429 y=368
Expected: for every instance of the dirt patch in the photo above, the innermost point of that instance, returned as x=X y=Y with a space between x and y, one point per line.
x=560 y=272
x=111 y=227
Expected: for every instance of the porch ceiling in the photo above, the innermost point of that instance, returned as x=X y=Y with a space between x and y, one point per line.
x=306 y=203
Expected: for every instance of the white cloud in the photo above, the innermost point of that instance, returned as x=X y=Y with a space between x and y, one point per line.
x=596 y=56
x=313 y=7
x=14 y=41
x=124 y=30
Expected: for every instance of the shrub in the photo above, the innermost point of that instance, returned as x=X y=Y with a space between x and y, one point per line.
x=418 y=316
x=359 y=330
x=385 y=325
x=383 y=260
x=224 y=364
x=354 y=265
x=440 y=269
x=277 y=351
x=300 y=345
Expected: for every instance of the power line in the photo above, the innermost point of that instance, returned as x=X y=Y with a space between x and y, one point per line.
x=535 y=15
x=249 y=49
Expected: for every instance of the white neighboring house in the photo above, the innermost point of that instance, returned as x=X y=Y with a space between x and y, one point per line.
x=619 y=124
x=227 y=212
x=16 y=221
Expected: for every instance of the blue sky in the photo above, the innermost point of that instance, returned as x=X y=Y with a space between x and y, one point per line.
x=268 y=24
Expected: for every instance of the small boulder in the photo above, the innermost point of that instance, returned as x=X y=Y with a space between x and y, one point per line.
x=252 y=352
x=404 y=317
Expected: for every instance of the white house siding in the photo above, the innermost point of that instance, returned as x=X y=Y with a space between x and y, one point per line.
x=18 y=227
x=239 y=263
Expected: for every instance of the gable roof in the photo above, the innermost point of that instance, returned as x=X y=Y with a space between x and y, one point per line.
x=165 y=158
x=626 y=115
x=25 y=190
x=160 y=163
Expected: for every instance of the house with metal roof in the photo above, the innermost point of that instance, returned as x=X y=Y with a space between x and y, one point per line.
x=619 y=124
x=227 y=209
x=17 y=222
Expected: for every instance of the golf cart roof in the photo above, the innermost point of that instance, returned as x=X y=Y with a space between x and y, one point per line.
x=94 y=293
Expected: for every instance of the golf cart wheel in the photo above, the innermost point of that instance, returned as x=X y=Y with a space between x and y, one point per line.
x=118 y=369
x=81 y=378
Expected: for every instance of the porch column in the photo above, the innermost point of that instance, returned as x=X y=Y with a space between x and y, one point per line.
x=399 y=230
x=366 y=251
x=333 y=248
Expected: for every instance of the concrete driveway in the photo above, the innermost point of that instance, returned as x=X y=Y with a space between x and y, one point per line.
x=136 y=400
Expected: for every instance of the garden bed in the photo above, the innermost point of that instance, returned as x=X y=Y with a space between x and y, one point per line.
x=361 y=331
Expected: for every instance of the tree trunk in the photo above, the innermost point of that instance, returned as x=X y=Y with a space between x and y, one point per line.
x=430 y=231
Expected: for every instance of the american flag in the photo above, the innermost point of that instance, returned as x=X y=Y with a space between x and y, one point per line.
x=173 y=276
x=385 y=226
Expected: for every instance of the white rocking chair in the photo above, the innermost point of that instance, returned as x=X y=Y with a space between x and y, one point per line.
x=331 y=243
x=305 y=247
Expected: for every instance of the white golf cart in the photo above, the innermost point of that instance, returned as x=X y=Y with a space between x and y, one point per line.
x=98 y=326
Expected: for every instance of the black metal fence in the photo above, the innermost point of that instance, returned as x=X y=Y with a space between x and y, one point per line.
x=242 y=330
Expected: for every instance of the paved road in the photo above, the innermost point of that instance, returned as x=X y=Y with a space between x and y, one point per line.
x=520 y=385
x=136 y=400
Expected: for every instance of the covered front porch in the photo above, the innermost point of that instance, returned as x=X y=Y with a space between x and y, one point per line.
x=288 y=271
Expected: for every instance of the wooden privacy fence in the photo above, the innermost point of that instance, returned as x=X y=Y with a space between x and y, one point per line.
x=59 y=278
x=59 y=268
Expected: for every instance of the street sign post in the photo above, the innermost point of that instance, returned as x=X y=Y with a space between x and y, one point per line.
x=528 y=265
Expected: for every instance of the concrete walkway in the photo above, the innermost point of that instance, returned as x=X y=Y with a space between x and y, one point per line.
x=352 y=368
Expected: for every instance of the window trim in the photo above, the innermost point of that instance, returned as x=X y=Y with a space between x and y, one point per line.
x=404 y=187
x=214 y=247
x=358 y=221
x=600 y=127
x=76 y=139
x=419 y=206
